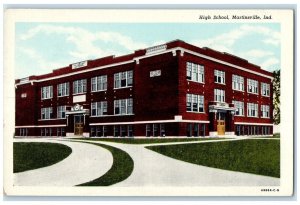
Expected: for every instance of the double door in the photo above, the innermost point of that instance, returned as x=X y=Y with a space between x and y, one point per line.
x=78 y=124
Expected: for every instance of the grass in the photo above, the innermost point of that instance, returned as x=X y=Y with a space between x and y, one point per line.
x=121 y=169
x=251 y=156
x=33 y=155
x=147 y=140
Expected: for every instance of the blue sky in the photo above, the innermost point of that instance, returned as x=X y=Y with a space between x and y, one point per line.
x=42 y=47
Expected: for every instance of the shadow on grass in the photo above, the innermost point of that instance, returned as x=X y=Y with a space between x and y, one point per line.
x=121 y=169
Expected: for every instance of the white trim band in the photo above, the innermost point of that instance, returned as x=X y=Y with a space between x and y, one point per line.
x=145 y=122
x=33 y=126
x=251 y=123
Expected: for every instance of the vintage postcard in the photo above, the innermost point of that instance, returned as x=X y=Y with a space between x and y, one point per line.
x=148 y=102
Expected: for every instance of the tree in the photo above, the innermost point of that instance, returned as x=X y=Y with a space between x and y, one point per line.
x=276 y=97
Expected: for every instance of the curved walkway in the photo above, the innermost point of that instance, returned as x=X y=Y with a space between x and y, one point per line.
x=154 y=169
x=85 y=163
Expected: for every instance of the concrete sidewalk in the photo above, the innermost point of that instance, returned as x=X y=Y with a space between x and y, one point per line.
x=85 y=163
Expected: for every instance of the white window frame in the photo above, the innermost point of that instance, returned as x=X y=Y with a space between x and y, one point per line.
x=195 y=72
x=47 y=92
x=99 y=83
x=79 y=86
x=219 y=76
x=195 y=102
x=119 y=77
x=265 y=89
x=219 y=95
x=240 y=109
x=265 y=111
x=46 y=113
x=99 y=108
x=63 y=89
x=125 y=106
x=252 y=109
x=237 y=83
x=61 y=112
x=252 y=86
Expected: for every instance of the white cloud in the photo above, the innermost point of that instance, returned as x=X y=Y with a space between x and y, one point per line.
x=84 y=40
x=270 y=64
x=38 y=64
x=257 y=53
x=226 y=41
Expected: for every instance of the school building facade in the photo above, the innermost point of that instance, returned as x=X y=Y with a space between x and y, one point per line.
x=170 y=90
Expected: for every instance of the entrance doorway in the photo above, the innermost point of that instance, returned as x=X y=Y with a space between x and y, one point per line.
x=221 y=122
x=221 y=127
x=78 y=124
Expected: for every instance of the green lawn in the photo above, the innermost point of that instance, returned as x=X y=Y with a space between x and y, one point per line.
x=121 y=169
x=147 y=140
x=33 y=155
x=258 y=156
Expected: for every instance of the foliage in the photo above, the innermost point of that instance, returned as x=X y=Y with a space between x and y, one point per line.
x=276 y=97
x=33 y=155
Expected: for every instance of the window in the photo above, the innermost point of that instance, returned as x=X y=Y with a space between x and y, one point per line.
x=63 y=89
x=46 y=113
x=129 y=130
x=99 y=83
x=123 y=106
x=79 y=86
x=99 y=108
x=265 y=89
x=239 y=108
x=194 y=103
x=252 y=109
x=237 y=83
x=219 y=95
x=195 y=72
x=23 y=131
x=123 y=79
x=47 y=92
x=265 y=111
x=116 y=130
x=61 y=112
x=252 y=86
x=219 y=76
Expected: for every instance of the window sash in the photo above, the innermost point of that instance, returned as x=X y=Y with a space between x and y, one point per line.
x=46 y=113
x=195 y=72
x=194 y=103
x=252 y=109
x=252 y=86
x=61 y=112
x=99 y=83
x=239 y=108
x=79 y=86
x=219 y=76
x=63 y=89
x=219 y=95
x=47 y=92
x=123 y=79
x=99 y=108
x=123 y=106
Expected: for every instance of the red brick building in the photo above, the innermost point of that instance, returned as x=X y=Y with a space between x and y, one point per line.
x=175 y=89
